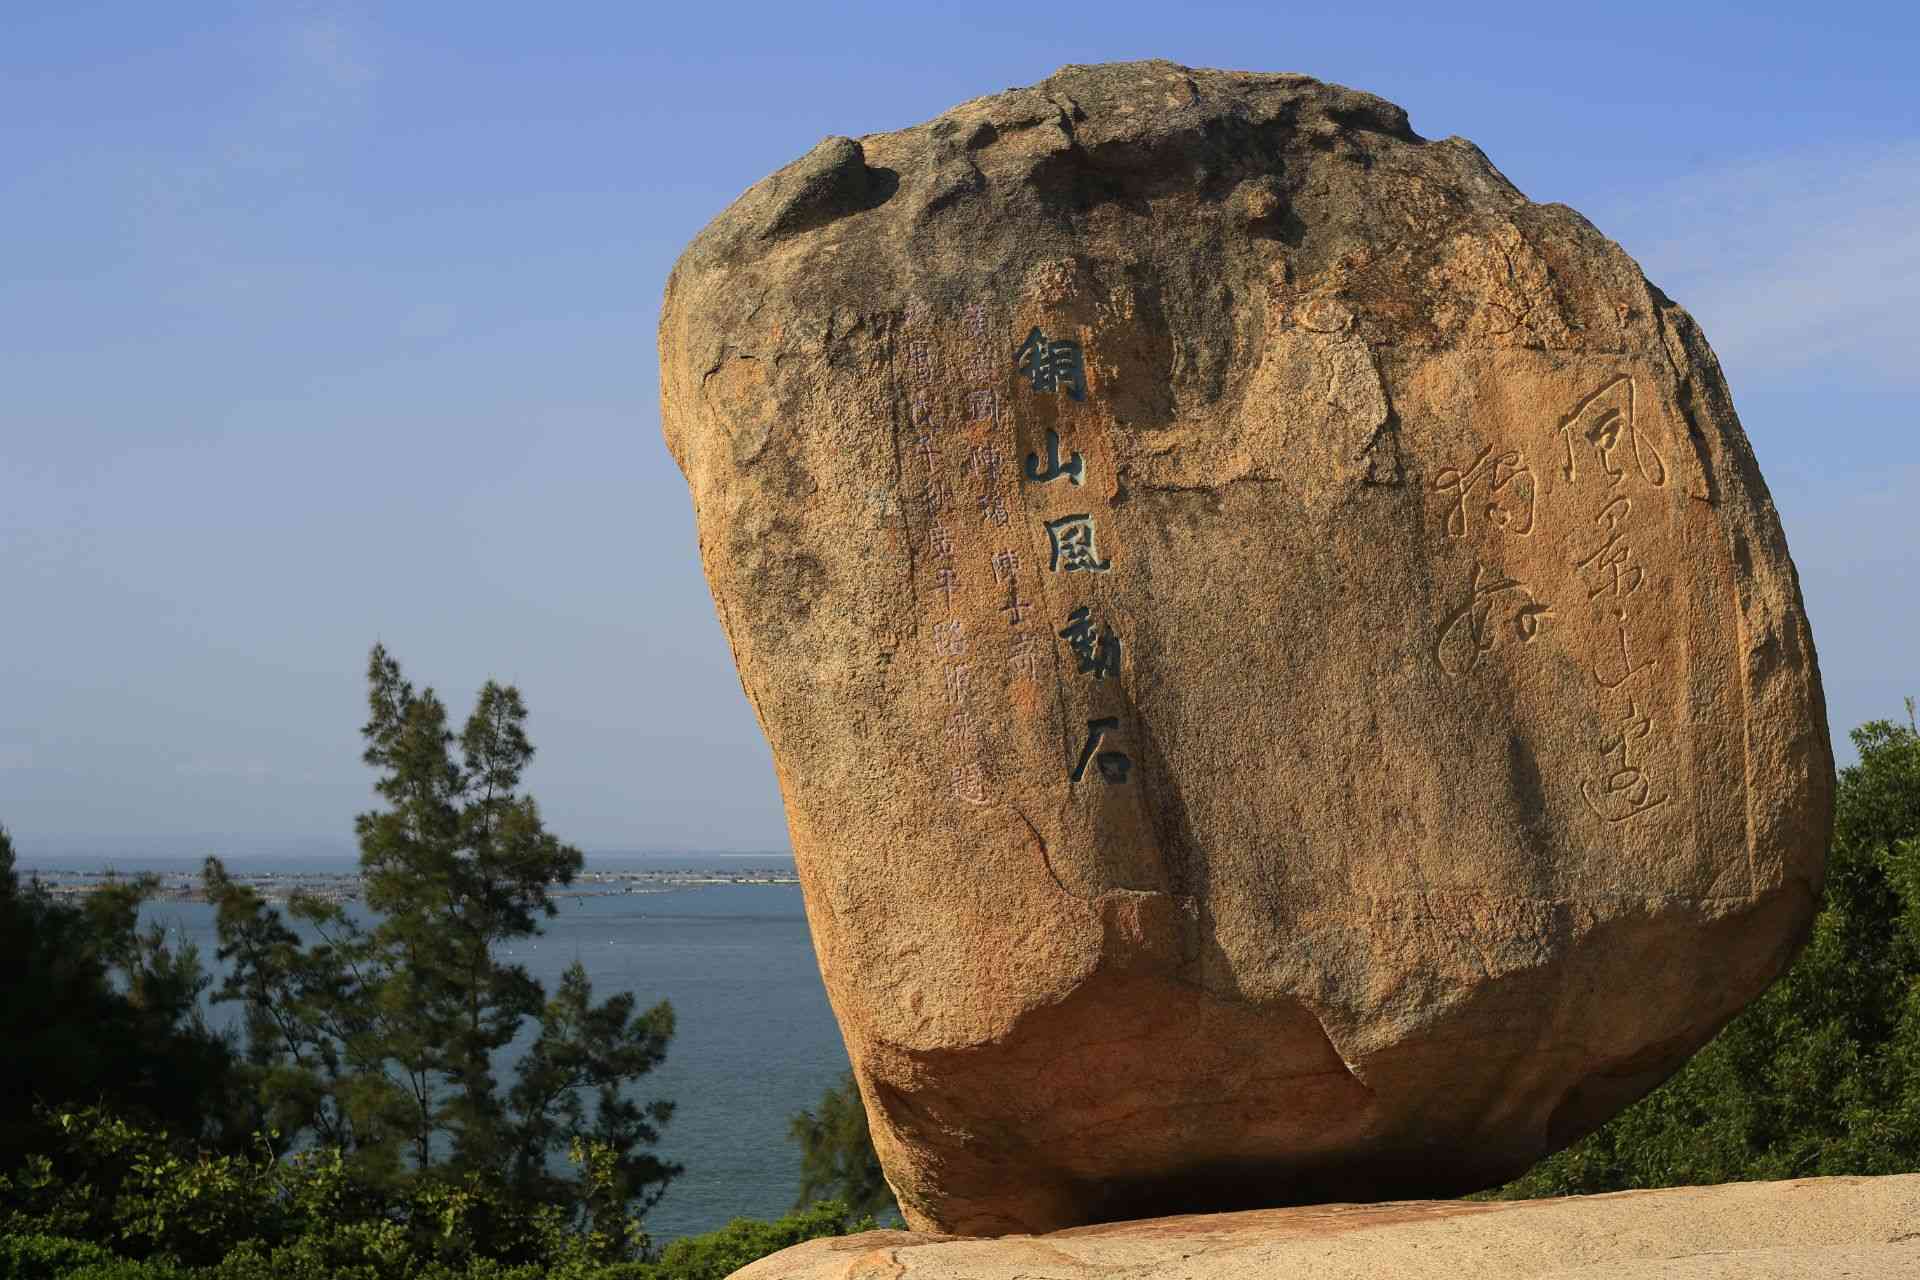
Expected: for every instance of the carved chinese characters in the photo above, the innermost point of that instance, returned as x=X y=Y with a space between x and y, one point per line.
x=1054 y=468
x=1071 y=548
x=962 y=447
x=1486 y=619
x=1509 y=511
x=1626 y=791
x=1072 y=543
x=1607 y=422
x=1097 y=651
x=1556 y=517
x=963 y=514
x=1053 y=365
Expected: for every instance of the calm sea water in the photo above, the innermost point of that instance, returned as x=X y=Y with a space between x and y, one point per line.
x=755 y=1042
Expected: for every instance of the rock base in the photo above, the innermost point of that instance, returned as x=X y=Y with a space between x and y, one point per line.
x=1861 y=1228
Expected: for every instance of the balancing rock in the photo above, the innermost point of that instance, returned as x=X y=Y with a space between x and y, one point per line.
x=1286 y=679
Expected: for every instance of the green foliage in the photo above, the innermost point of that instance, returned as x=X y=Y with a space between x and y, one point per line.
x=166 y=1143
x=131 y=1188
x=719 y=1254
x=352 y=1041
x=98 y=1012
x=42 y=1257
x=127 y=1269
x=158 y=1150
x=837 y=1158
x=1820 y=1075
x=160 y=1221
x=132 y=1194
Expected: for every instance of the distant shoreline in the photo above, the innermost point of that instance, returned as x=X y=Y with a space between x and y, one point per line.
x=177 y=886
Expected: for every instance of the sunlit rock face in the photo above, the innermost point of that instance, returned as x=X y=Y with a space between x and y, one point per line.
x=1285 y=676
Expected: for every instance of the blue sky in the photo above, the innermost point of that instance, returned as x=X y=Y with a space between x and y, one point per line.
x=328 y=323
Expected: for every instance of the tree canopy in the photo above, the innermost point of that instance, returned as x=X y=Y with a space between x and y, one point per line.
x=377 y=1043
x=98 y=1012
x=381 y=1042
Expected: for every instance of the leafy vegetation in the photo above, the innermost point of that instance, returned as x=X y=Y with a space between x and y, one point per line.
x=138 y=1205
x=720 y=1253
x=96 y=1010
x=154 y=1149
x=348 y=1042
x=837 y=1158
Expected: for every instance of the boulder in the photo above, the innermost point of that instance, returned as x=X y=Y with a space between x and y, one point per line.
x=1813 y=1229
x=1286 y=679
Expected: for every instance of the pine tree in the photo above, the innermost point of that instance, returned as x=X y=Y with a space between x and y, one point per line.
x=837 y=1159
x=379 y=1042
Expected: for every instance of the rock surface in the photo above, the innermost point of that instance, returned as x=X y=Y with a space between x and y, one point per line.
x=1285 y=676
x=1817 y=1229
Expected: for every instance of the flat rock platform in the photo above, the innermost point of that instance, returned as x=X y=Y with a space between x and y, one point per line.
x=1857 y=1228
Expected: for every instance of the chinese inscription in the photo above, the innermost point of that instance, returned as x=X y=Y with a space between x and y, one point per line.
x=969 y=782
x=1605 y=419
x=1096 y=650
x=949 y=639
x=1607 y=470
x=1471 y=631
x=1015 y=608
x=1026 y=655
x=1054 y=469
x=1626 y=791
x=1052 y=365
x=974 y=462
x=1510 y=492
x=1073 y=546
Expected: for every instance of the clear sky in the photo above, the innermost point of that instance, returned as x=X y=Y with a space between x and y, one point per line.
x=328 y=323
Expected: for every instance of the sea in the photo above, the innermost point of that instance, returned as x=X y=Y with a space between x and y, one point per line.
x=723 y=937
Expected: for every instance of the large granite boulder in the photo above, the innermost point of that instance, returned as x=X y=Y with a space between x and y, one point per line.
x=1286 y=679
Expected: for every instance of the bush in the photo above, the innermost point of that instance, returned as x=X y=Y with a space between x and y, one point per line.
x=719 y=1254
x=125 y=1203
x=381 y=1251
x=128 y=1269
x=45 y=1257
x=97 y=1011
x=130 y=1191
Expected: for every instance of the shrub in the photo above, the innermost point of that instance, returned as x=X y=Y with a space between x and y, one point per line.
x=383 y=1251
x=127 y=1269
x=719 y=1254
x=46 y=1257
x=132 y=1194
